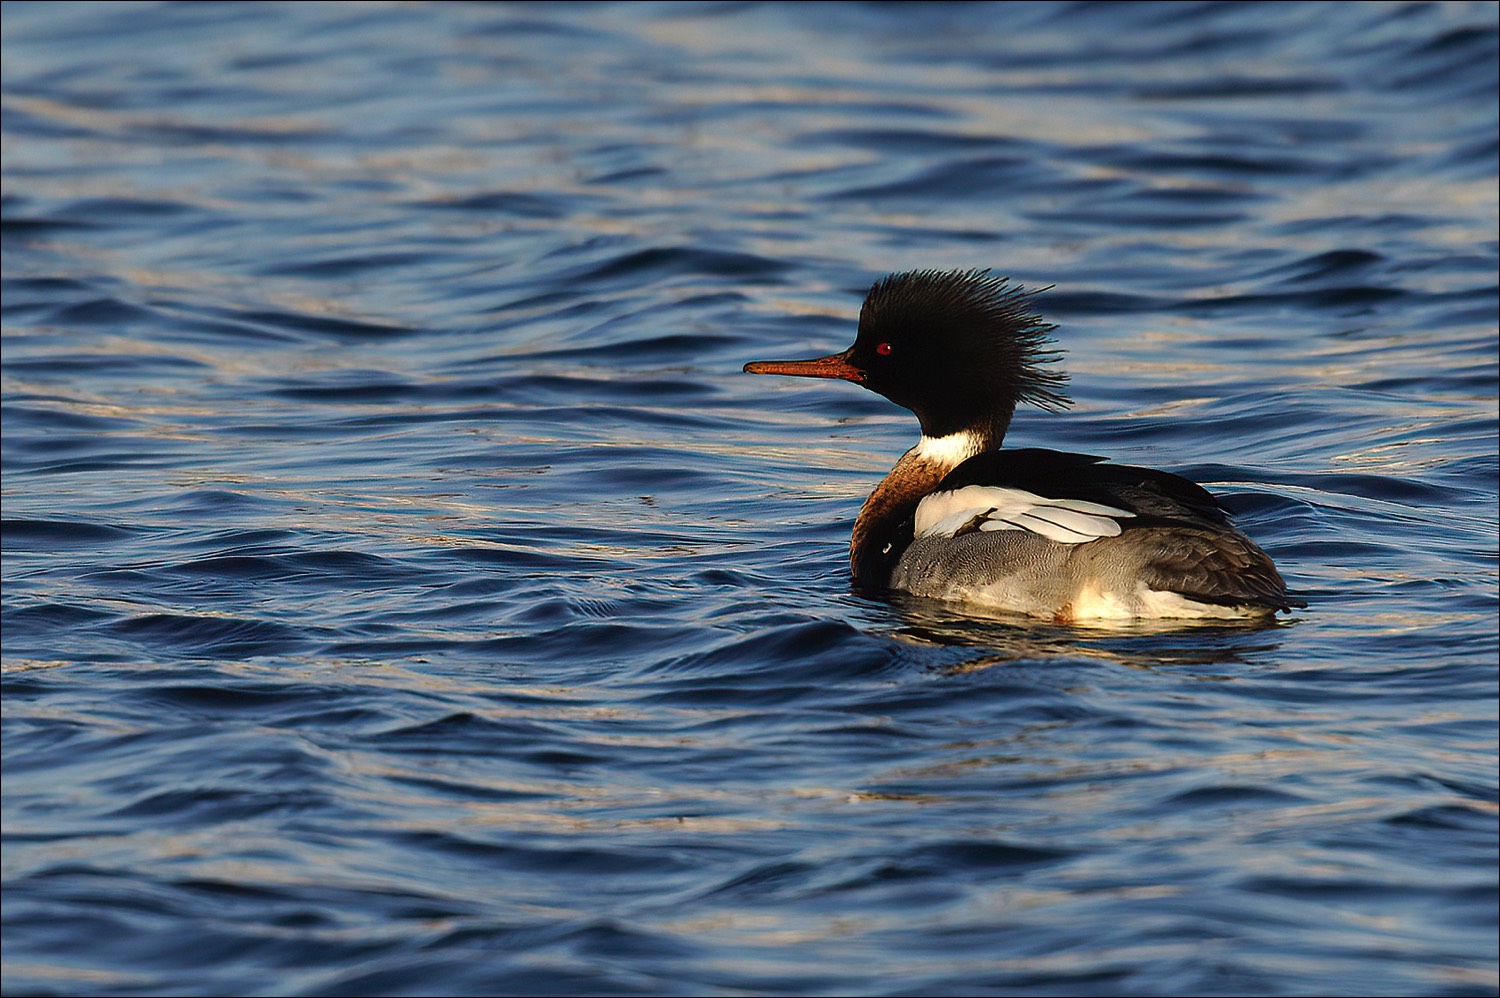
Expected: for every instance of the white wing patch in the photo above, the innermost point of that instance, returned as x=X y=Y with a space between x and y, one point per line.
x=989 y=507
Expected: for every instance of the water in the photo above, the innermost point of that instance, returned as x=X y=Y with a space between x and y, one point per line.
x=404 y=592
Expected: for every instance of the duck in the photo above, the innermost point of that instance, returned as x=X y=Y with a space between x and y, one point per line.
x=1067 y=537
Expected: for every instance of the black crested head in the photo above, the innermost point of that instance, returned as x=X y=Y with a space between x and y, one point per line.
x=959 y=348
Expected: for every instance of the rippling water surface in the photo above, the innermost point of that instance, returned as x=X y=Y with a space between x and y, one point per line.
x=405 y=592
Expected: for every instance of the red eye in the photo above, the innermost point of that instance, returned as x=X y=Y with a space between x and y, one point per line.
x=884 y=349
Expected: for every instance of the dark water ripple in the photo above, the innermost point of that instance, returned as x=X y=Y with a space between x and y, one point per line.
x=404 y=593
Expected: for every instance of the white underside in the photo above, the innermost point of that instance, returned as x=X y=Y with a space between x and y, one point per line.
x=1091 y=604
x=1022 y=572
x=1149 y=604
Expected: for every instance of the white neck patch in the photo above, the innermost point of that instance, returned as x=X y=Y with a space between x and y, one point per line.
x=947 y=452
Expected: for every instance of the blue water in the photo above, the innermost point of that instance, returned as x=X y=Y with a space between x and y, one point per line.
x=405 y=592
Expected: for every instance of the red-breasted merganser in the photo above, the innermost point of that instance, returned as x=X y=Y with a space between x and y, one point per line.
x=1039 y=532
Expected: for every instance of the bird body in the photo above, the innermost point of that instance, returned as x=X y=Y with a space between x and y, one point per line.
x=1040 y=532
